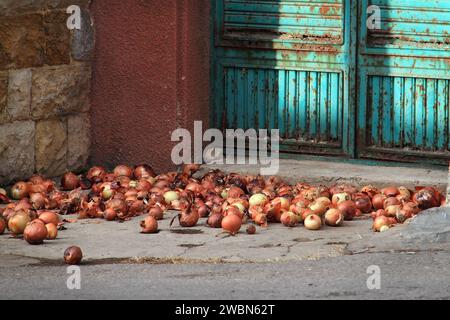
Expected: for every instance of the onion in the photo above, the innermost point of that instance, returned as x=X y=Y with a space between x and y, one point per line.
x=251 y=229
x=379 y=222
x=285 y=203
x=235 y=192
x=35 y=232
x=391 y=211
x=410 y=209
x=390 y=191
x=136 y=207
x=69 y=181
x=24 y=205
x=37 y=201
x=404 y=193
x=73 y=255
x=392 y=201
x=195 y=187
x=289 y=219
x=18 y=222
x=156 y=212
x=370 y=190
x=334 y=217
x=258 y=199
x=190 y=168
x=170 y=196
x=123 y=170
x=215 y=220
x=232 y=224
x=36 y=179
x=273 y=211
x=348 y=209
x=305 y=213
x=326 y=201
x=261 y=220
x=19 y=190
x=319 y=207
x=378 y=201
x=144 y=171
x=340 y=197
x=233 y=210
x=107 y=192
x=378 y=213
x=364 y=204
x=36 y=188
x=426 y=198
x=149 y=225
x=96 y=174
x=49 y=217
x=110 y=214
x=2 y=225
x=52 y=231
x=313 y=222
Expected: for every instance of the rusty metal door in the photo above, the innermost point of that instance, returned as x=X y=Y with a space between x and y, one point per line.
x=404 y=81
x=288 y=65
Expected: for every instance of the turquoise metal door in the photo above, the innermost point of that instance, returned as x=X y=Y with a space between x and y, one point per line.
x=404 y=81
x=287 y=65
x=299 y=66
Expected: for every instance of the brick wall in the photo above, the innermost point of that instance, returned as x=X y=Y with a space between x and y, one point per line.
x=45 y=80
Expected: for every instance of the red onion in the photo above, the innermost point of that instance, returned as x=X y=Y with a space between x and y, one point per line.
x=73 y=255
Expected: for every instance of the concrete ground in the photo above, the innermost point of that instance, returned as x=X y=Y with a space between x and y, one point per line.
x=276 y=263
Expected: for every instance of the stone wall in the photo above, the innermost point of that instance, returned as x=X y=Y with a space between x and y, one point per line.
x=45 y=80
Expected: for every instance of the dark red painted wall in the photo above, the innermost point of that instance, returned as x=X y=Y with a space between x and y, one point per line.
x=151 y=76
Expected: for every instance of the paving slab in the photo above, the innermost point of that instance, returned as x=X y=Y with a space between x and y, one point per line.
x=102 y=241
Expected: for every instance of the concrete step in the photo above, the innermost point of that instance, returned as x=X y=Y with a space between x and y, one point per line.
x=329 y=171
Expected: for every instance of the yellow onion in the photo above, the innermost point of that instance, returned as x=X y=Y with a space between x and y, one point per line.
x=313 y=222
x=258 y=199
x=18 y=222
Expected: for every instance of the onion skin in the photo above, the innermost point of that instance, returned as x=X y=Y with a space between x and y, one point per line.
x=232 y=224
x=52 y=231
x=73 y=255
x=149 y=225
x=313 y=222
x=35 y=233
